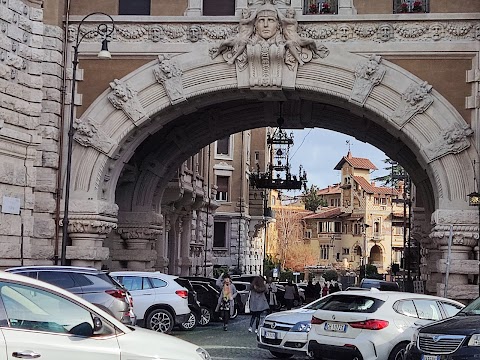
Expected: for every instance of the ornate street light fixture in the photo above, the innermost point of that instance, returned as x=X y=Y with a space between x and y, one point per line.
x=104 y=31
x=278 y=175
x=474 y=200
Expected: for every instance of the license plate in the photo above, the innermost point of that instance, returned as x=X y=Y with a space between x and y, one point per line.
x=269 y=335
x=335 y=327
x=430 y=357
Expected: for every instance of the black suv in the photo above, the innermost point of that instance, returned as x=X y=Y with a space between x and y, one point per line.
x=455 y=338
x=93 y=285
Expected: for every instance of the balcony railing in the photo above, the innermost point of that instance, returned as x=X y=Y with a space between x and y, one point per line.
x=315 y=7
x=411 y=6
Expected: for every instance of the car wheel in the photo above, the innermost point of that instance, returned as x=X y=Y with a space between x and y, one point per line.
x=281 y=355
x=190 y=324
x=160 y=320
x=398 y=352
x=205 y=316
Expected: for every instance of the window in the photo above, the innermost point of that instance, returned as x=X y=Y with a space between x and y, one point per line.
x=308 y=234
x=158 y=283
x=257 y=156
x=134 y=7
x=57 y=278
x=450 y=309
x=427 y=309
x=345 y=251
x=324 y=252
x=35 y=309
x=376 y=227
x=338 y=227
x=135 y=283
x=357 y=229
x=223 y=146
x=220 y=234
x=218 y=7
x=222 y=188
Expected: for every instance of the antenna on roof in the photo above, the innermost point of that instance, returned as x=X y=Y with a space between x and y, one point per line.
x=349 y=145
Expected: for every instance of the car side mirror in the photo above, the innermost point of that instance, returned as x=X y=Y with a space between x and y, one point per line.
x=97 y=324
x=82 y=329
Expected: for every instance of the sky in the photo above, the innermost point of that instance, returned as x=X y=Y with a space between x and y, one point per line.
x=320 y=150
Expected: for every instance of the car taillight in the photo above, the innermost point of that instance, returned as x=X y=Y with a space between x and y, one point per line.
x=119 y=294
x=182 y=293
x=369 y=324
x=317 y=321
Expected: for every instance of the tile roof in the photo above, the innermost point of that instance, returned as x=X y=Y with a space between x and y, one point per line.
x=331 y=189
x=357 y=163
x=372 y=189
x=325 y=213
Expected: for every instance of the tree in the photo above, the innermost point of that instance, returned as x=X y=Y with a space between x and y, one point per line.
x=395 y=174
x=289 y=233
x=311 y=199
x=330 y=275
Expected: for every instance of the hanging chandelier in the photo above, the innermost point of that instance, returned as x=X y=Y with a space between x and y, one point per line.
x=278 y=175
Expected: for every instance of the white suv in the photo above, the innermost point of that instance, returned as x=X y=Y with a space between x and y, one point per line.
x=159 y=301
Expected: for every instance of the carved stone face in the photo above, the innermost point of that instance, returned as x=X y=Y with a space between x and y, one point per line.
x=437 y=31
x=290 y=13
x=194 y=33
x=71 y=34
x=245 y=13
x=384 y=32
x=266 y=25
x=477 y=32
x=155 y=33
x=344 y=32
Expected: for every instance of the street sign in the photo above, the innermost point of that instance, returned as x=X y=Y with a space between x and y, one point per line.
x=275 y=273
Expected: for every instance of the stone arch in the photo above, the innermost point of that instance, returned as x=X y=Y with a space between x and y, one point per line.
x=322 y=92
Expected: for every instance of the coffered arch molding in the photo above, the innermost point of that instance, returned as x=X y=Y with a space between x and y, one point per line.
x=322 y=93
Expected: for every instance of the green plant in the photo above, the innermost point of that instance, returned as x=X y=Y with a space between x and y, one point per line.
x=330 y=275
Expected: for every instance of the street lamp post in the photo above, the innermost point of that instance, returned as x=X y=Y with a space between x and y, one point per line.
x=474 y=200
x=105 y=31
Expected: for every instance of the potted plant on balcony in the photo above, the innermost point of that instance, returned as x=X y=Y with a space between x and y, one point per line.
x=404 y=7
x=313 y=9
x=325 y=8
x=417 y=6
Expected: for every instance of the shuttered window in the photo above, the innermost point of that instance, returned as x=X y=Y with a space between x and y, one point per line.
x=222 y=188
x=220 y=234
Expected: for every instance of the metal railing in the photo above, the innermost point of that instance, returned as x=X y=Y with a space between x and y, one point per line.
x=411 y=6
x=316 y=7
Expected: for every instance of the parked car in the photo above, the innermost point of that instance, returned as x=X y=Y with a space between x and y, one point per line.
x=372 y=324
x=40 y=320
x=210 y=300
x=379 y=284
x=93 y=285
x=160 y=300
x=284 y=333
x=193 y=304
x=207 y=296
x=455 y=338
x=299 y=299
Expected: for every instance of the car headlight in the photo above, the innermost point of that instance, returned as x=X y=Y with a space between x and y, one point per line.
x=302 y=326
x=474 y=340
x=204 y=355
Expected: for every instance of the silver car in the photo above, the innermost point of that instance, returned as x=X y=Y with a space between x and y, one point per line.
x=93 y=285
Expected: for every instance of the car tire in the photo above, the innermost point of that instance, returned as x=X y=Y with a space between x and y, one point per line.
x=398 y=352
x=160 y=320
x=190 y=324
x=281 y=355
x=205 y=316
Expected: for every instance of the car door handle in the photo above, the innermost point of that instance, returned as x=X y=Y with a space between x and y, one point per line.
x=26 y=354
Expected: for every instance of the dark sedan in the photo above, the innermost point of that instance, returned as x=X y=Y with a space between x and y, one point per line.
x=455 y=338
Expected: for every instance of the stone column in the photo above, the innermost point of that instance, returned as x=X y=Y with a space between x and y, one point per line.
x=463 y=266
x=162 y=261
x=87 y=235
x=185 y=262
x=194 y=8
x=346 y=7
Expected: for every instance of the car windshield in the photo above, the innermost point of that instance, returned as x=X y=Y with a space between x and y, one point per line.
x=351 y=303
x=471 y=309
x=316 y=304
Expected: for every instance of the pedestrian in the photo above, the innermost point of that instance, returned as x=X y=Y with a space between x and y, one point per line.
x=325 y=290
x=290 y=291
x=318 y=290
x=225 y=303
x=310 y=292
x=271 y=295
x=258 y=301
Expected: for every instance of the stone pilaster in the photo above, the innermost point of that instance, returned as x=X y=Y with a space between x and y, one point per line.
x=462 y=227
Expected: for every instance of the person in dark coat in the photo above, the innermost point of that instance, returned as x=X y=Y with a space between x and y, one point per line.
x=318 y=290
x=310 y=292
x=258 y=301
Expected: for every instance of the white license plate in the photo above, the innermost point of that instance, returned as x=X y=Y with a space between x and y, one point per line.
x=430 y=357
x=269 y=335
x=335 y=327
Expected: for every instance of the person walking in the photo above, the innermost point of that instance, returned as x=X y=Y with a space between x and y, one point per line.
x=271 y=295
x=225 y=303
x=318 y=290
x=325 y=290
x=258 y=301
x=290 y=291
x=310 y=292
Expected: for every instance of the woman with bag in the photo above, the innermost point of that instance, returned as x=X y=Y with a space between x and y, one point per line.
x=271 y=295
x=225 y=303
x=257 y=301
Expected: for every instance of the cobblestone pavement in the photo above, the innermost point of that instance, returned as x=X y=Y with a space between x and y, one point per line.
x=236 y=343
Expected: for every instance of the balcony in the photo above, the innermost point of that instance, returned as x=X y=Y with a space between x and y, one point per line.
x=326 y=7
x=377 y=237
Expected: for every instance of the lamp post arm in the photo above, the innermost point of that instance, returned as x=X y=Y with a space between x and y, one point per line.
x=101 y=28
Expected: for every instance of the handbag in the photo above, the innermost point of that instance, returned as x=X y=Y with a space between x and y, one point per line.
x=247 y=304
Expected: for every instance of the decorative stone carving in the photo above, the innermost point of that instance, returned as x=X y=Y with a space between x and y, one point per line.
x=124 y=98
x=90 y=226
x=385 y=32
x=139 y=232
x=87 y=134
x=437 y=31
x=317 y=32
x=414 y=101
x=156 y=33
x=71 y=33
x=365 y=31
x=410 y=31
x=344 y=32
x=459 y=30
x=453 y=141
x=194 y=33
x=169 y=75
x=266 y=40
x=367 y=75
x=132 y=32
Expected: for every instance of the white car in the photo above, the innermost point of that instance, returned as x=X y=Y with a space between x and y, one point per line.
x=284 y=333
x=372 y=324
x=40 y=320
x=159 y=302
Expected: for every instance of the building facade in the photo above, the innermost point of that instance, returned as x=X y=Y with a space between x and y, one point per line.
x=405 y=82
